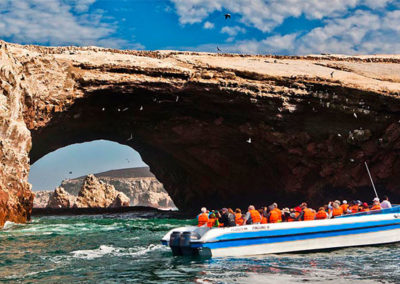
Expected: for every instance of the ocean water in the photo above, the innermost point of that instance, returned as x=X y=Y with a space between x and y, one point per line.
x=126 y=248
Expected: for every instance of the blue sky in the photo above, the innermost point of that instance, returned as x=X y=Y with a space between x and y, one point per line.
x=81 y=159
x=255 y=26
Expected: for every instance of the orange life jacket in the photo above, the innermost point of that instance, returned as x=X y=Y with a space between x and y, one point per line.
x=202 y=219
x=354 y=208
x=344 y=207
x=279 y=214
x=264 y=220
x=255 y=216
x=337 y=212
x=274 y=216
x=309 y=214
x=290 y=219
x=211 y=222
x=376 y=207
x=239 y=219
x=364 y=210
x=321 y=214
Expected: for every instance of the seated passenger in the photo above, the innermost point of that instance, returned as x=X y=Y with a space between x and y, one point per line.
x=273 y=214
x=202 y=218
x=226 y=218
x=335 y=210
x=386 y=203
x=212 y=221
x=308 y=214
x=279 y=211
x=344 y=206
x=252 y=216
x=295 y=214
x=364 y=207
x=353 y=207
x=239 y=217
x=285 y=214
x=321 y=214
x=376 y=205
x=263 y=214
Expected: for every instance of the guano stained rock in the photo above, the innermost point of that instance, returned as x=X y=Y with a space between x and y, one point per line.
x=216 y=129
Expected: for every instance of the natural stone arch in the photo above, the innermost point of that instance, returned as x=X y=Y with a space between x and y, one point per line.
x=310 y=130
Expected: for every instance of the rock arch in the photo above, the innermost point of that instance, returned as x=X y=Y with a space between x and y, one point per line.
x=217 y=130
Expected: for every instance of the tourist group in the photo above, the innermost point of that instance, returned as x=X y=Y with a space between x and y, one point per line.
x=226 y=217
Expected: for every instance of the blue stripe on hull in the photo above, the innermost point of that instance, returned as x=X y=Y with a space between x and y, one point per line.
x=303 y=230
x=266 y=240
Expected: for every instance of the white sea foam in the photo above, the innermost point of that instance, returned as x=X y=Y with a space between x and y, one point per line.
x=94 y=253
x=8 y=225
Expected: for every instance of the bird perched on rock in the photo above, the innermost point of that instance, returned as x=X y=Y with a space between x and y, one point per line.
x=332 y=74
x=227 y=16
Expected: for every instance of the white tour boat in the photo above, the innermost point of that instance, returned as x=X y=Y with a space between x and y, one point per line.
x=361 y=229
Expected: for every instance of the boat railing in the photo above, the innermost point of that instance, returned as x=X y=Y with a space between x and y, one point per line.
x=395 y=209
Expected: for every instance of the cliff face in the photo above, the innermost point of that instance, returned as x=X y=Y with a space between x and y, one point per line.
x=143 y=190
x=215 y=129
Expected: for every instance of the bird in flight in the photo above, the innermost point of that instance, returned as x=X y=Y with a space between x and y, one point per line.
x=218 y=49
x=249 y=141
x=130 y=138
x=227 y=16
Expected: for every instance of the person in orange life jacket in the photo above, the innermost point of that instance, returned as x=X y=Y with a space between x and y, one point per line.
x=239 y=217
x=273 y=214
x=334 y=209
x=202 y=218
x=353 y=207
x=226 y=218
x=307 y=214
x=279 y=211
x=213 y=221
x=364 y=207
x=376 y=204
x=344 y=206
x=295 y=214
x=252 y=216
x=321 y=214
x=285 y=214
x=264 y=219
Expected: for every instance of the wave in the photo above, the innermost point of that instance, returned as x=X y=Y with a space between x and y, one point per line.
x=104 y=250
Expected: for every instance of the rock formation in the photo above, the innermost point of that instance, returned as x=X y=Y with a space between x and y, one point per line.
x=92 y=194
x=139 y=184
x=61 y=199
x=95 y=193
x=216 y=129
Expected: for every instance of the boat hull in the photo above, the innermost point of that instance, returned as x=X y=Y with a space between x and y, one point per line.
x=362 y=230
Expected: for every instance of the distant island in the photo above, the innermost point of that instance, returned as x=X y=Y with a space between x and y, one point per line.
x=134 y=186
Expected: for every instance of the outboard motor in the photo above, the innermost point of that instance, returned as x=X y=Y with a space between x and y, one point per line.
x=174 y=243
x=186 y=237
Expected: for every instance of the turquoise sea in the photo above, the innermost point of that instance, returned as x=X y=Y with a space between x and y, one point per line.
x=123 y=248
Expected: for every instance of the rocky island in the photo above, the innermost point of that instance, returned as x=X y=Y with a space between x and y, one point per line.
x=139 y=185
x=215 y=129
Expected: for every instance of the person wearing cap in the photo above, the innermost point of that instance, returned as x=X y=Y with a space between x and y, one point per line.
x=376 y=204
x=386 y=203
x=364 y=207
x=226 y=218
x=344 y=206
x=321 y=214
x=202 y=218
x=334 y=209
x=252 y=216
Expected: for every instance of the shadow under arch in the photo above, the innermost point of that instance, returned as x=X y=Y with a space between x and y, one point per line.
x=192 y=143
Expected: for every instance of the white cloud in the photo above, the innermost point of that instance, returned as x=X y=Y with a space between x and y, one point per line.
x=55 y=22
x=265 y=15
x=208 y=25
x=363 y=32
x=232 y=31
